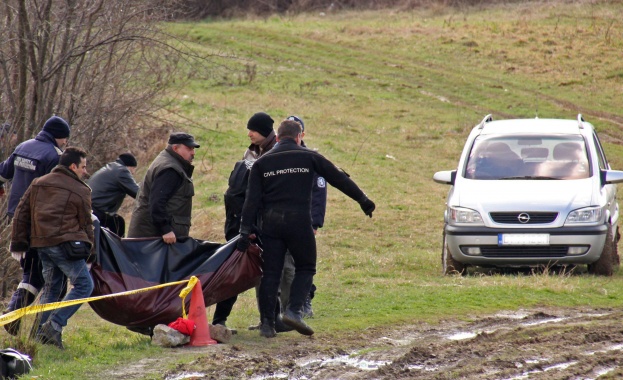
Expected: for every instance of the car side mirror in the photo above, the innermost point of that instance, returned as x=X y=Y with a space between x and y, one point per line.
x=611 y=176
x=446 y=177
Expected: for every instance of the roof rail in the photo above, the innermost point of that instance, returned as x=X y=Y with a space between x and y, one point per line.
x=487 y=119
x=580 y=121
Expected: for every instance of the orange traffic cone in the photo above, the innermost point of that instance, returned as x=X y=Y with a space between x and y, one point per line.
x=197 y=313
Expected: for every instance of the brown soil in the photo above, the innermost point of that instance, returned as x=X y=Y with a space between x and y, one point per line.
x=535 y=344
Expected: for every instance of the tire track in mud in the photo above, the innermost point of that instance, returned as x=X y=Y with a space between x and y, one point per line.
x=536 y=344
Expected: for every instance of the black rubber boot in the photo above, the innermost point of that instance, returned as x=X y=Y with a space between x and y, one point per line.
x=295 y=320
x=280 y=326
x=21 y=298
x=267 y=328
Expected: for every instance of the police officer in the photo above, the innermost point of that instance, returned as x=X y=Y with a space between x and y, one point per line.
x=280 y=185
x=31 y=159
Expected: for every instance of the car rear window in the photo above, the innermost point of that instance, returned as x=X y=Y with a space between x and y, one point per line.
x=528 y=157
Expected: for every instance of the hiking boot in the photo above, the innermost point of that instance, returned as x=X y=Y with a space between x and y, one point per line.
x=267 y=328
x=48 y=335
x=295 y=320
x=307 y=311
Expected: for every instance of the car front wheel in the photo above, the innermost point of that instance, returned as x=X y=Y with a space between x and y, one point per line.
x=449 y=264
x=604 y=265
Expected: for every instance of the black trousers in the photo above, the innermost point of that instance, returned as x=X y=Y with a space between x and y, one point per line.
x=286 y=231
x=113 y=222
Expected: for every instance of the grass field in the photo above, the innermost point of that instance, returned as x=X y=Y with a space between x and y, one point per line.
x=390 y=97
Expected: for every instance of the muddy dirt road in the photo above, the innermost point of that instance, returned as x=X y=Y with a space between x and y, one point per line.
x=528 y=344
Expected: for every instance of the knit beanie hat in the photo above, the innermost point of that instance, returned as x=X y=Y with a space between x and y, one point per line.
x=261 y=123
x=57 y=127
x=128 y=159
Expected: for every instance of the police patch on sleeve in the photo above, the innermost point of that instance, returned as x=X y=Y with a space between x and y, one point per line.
x=321 y=183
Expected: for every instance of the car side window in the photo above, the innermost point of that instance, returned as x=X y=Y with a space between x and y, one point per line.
x=601 y=155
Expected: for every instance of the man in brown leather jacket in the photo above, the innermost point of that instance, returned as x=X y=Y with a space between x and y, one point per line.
x=54 y=211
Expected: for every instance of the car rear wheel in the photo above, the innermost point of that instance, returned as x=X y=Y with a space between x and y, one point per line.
x=616 y=260
x=604 y=265
x=449 y=264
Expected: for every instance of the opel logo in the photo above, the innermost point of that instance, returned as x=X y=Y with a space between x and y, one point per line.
x=523 y=218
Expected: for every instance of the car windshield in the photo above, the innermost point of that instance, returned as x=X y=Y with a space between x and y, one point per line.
x=528 y=157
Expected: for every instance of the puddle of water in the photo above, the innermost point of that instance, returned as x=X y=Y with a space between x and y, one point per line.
x=543 y=321
x=274 y=376
x=615 y=347
x=186 y=375
x=462 y=335
x=424 y=368
x=367 y=365
x=513 y=314
x=603 y=371
x=560 y=366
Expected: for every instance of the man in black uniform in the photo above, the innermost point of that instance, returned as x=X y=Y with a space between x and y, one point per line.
x=280 y=185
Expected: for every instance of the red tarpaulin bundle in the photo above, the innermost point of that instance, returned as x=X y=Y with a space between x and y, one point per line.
x=130 y=264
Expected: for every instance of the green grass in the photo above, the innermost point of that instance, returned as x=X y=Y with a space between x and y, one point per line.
x=390 y=97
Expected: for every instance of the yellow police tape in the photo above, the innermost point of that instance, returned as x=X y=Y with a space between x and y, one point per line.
x=17 y=314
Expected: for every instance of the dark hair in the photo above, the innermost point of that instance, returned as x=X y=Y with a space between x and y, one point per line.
x=72 y=155
x=288 y=129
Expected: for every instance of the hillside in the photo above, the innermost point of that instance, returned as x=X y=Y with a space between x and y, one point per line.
x=389 y=96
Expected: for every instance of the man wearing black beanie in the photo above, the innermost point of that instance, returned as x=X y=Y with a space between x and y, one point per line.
x=31 y=159
x=263 y=138
x=109 y=187
x=262 y=123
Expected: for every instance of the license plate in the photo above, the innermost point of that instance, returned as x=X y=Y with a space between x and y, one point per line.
x=523 y=239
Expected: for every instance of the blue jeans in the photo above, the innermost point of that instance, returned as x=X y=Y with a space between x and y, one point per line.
x=55 y=264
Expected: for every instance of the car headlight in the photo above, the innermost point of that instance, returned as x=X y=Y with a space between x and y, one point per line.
x=460 y=215
x=585 y=215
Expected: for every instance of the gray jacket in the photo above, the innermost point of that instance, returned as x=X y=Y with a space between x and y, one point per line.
x=110 y=185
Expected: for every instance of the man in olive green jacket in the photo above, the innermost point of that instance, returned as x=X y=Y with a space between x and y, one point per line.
x=164 y=203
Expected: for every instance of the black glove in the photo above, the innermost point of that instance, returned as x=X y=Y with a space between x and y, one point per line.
x=367 y=206
x=243 y=242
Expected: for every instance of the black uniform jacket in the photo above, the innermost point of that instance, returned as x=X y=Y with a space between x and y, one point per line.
x=282 y=180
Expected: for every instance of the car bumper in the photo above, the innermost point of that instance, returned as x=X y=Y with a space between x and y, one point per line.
x=463 y=241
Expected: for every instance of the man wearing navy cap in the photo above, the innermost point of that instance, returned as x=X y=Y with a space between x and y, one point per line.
x=164 y=203
x=31 y=159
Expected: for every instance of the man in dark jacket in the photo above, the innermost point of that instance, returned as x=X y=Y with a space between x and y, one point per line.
x=110 y=185
x=262 y=137
x=279 y=191
x=318 y=210
x=31 y=159
x=56 y=209
x=163 y=206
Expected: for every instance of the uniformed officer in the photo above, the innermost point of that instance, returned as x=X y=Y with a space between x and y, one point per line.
x=31 y=159
x=280 y=185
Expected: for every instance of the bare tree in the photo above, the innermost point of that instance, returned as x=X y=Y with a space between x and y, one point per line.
x=103 y=65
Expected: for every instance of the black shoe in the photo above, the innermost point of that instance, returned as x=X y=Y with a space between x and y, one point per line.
x=267 y=328
x=307 y=311
x=48 y=335
x=295 y=320
x=149 y=331
x=280 y=326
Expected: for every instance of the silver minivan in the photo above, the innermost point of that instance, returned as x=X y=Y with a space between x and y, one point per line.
x=529 y=193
